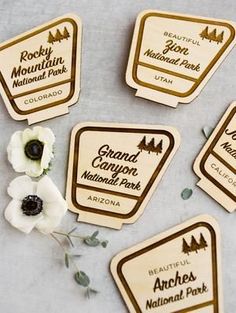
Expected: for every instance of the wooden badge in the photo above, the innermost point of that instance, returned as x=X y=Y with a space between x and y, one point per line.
x=178 y=271
x=40 y=70
x=173 y=55
x=216 y=163
x=114 y=169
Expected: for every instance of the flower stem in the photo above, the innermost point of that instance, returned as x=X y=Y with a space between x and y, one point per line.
x=58 y=241
x=66 y=235
x=64 y=250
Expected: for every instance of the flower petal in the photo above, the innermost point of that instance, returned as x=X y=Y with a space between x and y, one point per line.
x=48 y=191
x=30 y=134
x=55 y=209
x=34 y=168
x=47 y=224
x=18 y=219
x=16 y=153
x=46 y=157
x=46 y=136
x=54 y=206
x=18 y=159
x=20 y=187
x=16 y=140
x=52 y=216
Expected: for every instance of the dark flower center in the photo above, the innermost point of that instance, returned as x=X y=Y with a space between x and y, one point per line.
x=32 y=205
x=34 y=149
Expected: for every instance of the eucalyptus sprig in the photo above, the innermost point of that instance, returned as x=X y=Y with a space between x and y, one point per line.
x=80 y=277
x=91 y=240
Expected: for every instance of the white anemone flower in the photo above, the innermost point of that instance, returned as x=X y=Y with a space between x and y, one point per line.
x=31 y=150
x=37 y=205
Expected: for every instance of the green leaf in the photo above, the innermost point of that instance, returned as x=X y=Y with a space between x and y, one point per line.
x=91 y=241
x=70 y=241
x=94 y=235
x=82 y=279
x=76 y=255
x=90 y=291
x=47 y=170
x=104 y=243
x=207 y=131
x=186 y=193
x=87 y=293
x=67 y=262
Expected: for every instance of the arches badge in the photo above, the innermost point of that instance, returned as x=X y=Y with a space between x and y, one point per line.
x=178 y=271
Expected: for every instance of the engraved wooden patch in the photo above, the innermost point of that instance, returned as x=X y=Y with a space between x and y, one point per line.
x=114 y=169
x=216 y=163
x=40 y=70
x=173 y=56
x=178 y=271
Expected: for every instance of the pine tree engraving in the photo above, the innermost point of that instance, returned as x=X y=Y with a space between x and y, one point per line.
x=212 y=35
x=194 y=245
x=51 y=39
x=204 y=33
x=151 y=146
x=202 y=244
x=58 y=36
x=66 y=34
x=158 y=148
x=186 y=248
x=142 y=144
x=220 y=37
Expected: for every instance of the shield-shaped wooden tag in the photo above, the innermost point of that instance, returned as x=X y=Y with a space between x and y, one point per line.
x=216 y=163
x=178 y=271
x=114 y=169
x=40 y=70
x=173 y=56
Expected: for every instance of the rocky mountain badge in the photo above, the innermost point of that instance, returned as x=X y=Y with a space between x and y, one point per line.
x=40 y=70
